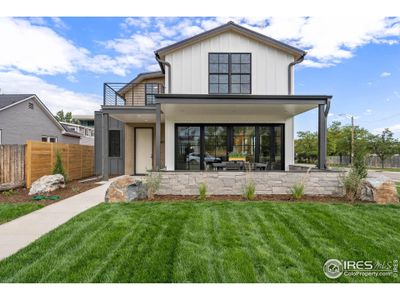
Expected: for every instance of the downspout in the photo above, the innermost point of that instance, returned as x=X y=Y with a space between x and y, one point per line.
x=290 y=67
x=162 y=64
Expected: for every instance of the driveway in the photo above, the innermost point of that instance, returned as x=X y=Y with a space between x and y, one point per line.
x=20 y=232
x=395 y=176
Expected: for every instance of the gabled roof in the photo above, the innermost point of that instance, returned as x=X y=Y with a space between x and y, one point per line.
x=9 y=100
x=140 y=77
x=297 y=53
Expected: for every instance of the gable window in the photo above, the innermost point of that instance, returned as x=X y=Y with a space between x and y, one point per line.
x=229 y=73
x=30 y=105
x=114 y=142
x=151 y=89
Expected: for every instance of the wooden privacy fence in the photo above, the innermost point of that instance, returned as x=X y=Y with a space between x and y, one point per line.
x=78 y=160
x=12 y=166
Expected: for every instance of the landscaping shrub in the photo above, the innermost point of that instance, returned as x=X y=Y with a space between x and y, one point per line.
x=360 y=166
x=153 y=183
x=297 y=191
x=9 y=193
x=351 y=183
x=249 y=192
x=58 y=166
x=202 y=191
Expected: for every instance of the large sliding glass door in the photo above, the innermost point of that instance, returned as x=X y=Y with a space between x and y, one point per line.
x=270 y=153
x=203 y=146
x=187 y=155
x=244 y=141
x=215 y=145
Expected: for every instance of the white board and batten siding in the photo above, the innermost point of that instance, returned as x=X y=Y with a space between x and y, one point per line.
x=269 y=65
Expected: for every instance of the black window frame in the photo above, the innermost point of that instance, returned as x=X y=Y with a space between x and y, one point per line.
x=114 y=147
x=151 y=94
x=230 y=142
x=230 y=73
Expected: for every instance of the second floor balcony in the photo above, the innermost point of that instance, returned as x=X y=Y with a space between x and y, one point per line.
x=131 y=94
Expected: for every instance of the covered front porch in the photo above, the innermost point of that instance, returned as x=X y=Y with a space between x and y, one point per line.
x=209 y=132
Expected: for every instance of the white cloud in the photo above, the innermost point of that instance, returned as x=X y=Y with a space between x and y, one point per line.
x=393 y=128
x=328 y=40
x=72 y=78
x=54 y=97
x=385 y=74
x=40 y=50
x=368 y=112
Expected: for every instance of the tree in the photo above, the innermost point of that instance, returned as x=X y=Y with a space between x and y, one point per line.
x=306 y=146
x=383 y=145
x=67 y=117
x=58 y=166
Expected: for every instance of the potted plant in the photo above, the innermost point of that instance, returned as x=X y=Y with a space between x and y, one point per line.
x=237 y=156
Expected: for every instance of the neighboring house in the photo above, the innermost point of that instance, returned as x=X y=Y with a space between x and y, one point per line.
x=86 y=133
x=24 y=117
x=85 y=120
x=226 y=90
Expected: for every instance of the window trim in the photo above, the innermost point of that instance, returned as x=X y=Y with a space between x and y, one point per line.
x=230 y=73
x=119 y=143
x=48 y=137
x=146 y=93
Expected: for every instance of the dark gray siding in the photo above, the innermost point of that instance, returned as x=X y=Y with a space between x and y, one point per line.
x=116 y=164
x=19 y=123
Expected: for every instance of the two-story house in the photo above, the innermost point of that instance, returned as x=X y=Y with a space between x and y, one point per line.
x=227 y=90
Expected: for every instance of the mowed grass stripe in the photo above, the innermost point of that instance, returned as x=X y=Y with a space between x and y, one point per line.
x=209 y=242
x=39 y=260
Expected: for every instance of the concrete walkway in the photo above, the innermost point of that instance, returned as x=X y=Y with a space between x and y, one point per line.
x=20 y=232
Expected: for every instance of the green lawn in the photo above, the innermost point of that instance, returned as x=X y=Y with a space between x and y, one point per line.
x=209 y=242
x=11 y=211
x=398 y=188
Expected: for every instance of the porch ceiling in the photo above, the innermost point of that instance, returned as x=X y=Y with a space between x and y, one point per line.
x=281 y=111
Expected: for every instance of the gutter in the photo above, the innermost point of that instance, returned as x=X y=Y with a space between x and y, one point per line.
x=163 y=63
x=290 y=67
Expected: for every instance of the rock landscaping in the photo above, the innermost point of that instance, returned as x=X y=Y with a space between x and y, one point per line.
x=46 y=184
x=125 y=189
x=380 y=190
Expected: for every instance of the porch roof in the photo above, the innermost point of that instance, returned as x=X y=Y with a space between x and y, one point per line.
x=241 y=99
x=272 y=106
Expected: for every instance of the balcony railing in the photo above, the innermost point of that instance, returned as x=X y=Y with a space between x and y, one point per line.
x=131 y=94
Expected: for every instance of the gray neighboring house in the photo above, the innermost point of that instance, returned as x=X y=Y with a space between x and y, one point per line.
x=24 y=117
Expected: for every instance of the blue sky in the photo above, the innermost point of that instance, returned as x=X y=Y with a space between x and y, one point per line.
x=66 y=60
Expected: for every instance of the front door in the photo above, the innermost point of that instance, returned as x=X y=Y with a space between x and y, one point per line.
x=143 y=150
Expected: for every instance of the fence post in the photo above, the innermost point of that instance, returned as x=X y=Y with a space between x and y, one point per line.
x=28 y=164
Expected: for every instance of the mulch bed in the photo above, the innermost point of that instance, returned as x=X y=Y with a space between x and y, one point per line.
x=284 y=198
x=20 y=195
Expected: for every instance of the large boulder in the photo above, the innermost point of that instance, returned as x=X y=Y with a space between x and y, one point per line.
x=380 y=190
x=46 y=184
x=125 y=189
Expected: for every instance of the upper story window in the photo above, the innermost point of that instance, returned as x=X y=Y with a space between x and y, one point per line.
x=229 y=73
x=30 y=105
x=151 y=89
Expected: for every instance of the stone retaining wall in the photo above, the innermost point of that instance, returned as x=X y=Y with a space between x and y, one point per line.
x=232 y=183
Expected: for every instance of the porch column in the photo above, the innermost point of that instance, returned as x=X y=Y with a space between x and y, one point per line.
x=322 y=133
x=158 y=136
x=104 y=147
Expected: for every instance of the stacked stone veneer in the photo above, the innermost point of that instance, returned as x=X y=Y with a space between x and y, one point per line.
x=232 y=183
